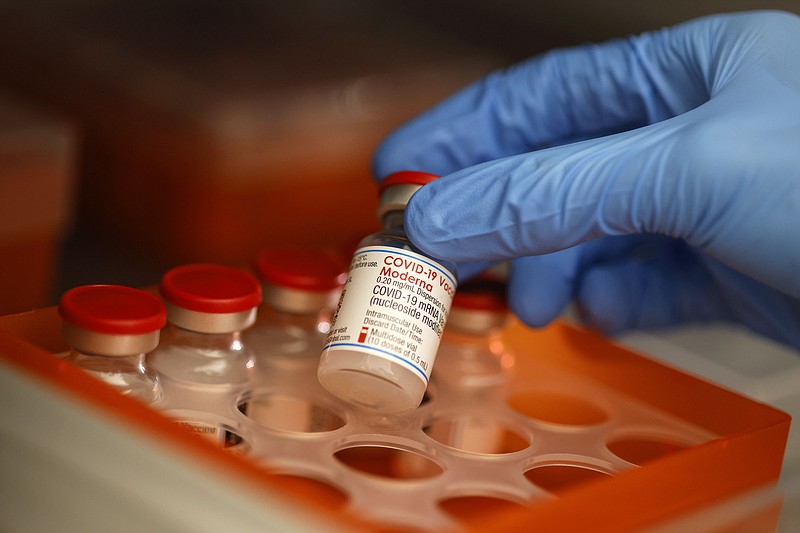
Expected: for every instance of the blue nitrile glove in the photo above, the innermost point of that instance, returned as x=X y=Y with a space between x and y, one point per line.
x=654 y=180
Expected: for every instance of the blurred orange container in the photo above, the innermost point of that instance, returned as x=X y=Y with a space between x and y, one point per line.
x=215 y=129
x=37 y=158
x=741 y=456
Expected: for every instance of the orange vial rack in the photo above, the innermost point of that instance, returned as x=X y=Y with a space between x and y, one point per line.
x=594 y=437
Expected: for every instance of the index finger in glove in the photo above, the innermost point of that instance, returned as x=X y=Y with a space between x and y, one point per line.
x=556 y=98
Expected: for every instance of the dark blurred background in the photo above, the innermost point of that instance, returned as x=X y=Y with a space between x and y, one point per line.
x=136 y=135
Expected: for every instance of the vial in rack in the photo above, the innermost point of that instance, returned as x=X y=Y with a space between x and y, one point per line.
x=110 y=328
x=392 y=312
x=300 y=287
x=208 y=307
x=472 y=355
x=474 y=363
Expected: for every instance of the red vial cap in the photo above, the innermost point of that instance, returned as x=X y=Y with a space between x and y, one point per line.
x=481 y=295
x=112 y=309
x=406 y=177
x=302 y=269
x=211 y=289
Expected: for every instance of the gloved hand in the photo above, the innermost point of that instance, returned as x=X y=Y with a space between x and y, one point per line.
x=654 y=180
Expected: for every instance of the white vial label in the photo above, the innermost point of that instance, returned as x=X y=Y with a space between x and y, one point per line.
x=216 y=434
x=394 y=305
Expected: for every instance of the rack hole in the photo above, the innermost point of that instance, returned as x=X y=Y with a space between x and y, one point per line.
x=642 y=450
x=388 y=462
x=290 y=413
x=557 y=408
x=476 y=435
x=558 y=478
x=426 y=397
x=467 y=509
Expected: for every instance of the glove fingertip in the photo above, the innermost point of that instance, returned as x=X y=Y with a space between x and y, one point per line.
x=533 y=314
x=422 y=226
x=538 y=298
x=604 y=301
x=387 y=157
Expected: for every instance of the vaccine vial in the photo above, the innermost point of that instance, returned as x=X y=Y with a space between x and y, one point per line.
x=110 y=328
x=474 y=364
x=301 y=287
x=472 y=355
x=208 y=307
x=300 y=290
x=391 y=314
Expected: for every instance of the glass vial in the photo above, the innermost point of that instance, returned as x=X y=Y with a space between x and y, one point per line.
x=300 y=288
x=208 y=306
x=472 y=355
x=392 y=312
x=110 y=328
x=474 y=364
